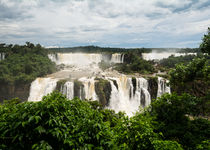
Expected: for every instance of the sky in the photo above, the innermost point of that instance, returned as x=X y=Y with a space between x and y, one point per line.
x=106 y=23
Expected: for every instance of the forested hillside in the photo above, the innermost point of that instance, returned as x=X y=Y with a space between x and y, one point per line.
x=22 y=64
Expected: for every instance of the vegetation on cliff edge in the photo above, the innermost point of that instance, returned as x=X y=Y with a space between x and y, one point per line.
x=24 y=63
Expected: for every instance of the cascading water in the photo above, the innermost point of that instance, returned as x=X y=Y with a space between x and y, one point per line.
x=144 y=95
x=162 y=55
x=52 y=57
x=2 y=56
x=163 y=87
x=83 y=59
x=127 y=94
x=89 y=88
x=117 y=58
x=124 y=98
x=119 y=99
x=68 y=90
x=41 y=87
x=77 y=59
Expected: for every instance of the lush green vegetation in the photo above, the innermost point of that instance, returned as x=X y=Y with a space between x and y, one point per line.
x=59 y=123
x=133 y=63
x=172 y=113
x=24 y=63
x=194 y=78
x=198 y=68
x=103 y=91
x=172 y=61
x=205 y=45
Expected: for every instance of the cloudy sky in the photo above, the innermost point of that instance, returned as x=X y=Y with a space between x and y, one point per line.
x=114 y=23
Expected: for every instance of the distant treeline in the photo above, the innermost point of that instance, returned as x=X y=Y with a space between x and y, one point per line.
x=190 y=50
x=97 y=49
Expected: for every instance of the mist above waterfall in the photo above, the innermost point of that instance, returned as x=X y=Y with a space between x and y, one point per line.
x=158 y=54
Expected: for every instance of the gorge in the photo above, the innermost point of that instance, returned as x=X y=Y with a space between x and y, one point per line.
x=82 y=77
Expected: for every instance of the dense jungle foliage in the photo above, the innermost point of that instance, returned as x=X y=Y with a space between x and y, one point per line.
x=133 y=63
x=172 y=60
x=24 y=63
x=205 y=45
x=59 y=123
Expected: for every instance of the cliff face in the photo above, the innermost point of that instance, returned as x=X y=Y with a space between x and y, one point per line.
x=153 y=87
x=103 y=91
x=12 y=91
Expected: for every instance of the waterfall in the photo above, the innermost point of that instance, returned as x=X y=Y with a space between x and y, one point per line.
x=117 y=58
x=52 y=57
x=119 y=99
x=41 y=87
x=145 y=95
x=124 y=98
x=2 y=56
x=162 y=55
x=163 y=87
x=77 y=59
x=84 y=59
x=127 y=94
x=68 y=90
x=89 y=88
x=87 y=91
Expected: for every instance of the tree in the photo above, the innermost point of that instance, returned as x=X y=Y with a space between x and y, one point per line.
x=59 y=123
x=205 y=45
x=171 y=113
x=53 y=123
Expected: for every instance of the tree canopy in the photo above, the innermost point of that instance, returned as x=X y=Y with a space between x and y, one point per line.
x=24 y=63
x=205 y=45
x=59 y=123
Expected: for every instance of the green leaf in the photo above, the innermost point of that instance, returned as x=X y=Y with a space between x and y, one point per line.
x=40 y=129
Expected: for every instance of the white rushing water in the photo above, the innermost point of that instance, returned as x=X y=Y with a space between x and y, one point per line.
x=78 y=59
x=127 y=94
x=117 y=58
x=68 y=90
x=2 y=56
x=83 y=59
x=89 y=88
x=124 y=98
x=159 y=56
x=163 y=87
x=41 y=87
